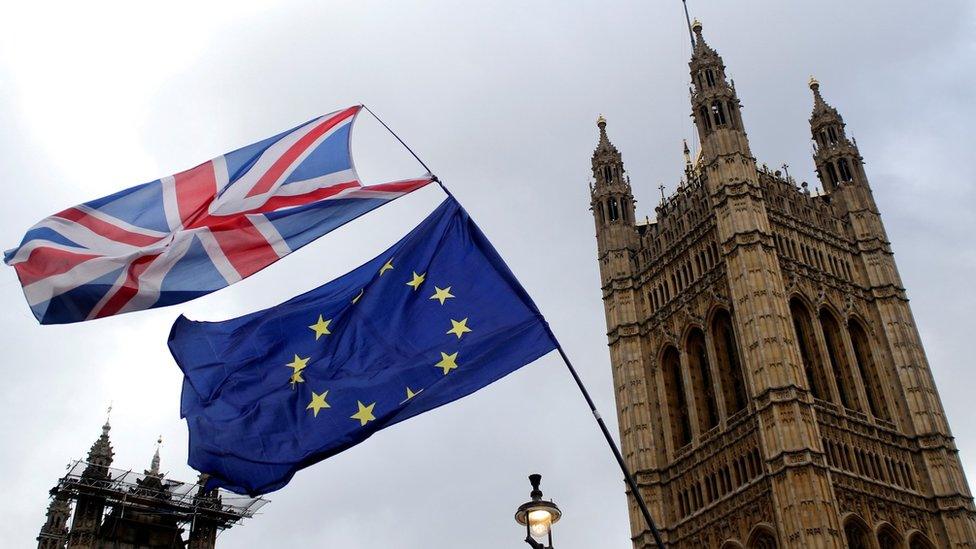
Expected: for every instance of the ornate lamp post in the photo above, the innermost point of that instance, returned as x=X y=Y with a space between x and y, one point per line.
x=538 y=516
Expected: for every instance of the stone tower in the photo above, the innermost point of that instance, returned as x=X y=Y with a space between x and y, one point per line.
x=90 y=509
x=771 y=386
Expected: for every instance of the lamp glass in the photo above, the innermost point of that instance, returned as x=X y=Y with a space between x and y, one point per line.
x=540 y=521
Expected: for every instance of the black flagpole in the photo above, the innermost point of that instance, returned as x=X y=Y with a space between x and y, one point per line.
x=631 y=483
x=691 y=36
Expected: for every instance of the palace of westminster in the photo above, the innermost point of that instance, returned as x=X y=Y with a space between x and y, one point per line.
x=771 y=386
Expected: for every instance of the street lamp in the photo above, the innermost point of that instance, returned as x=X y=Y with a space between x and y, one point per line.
x=538 y=516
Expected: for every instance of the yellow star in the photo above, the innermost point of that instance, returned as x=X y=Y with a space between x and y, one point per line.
x=459 y=328
x=442 y=295
x=418 y=279
x=448 y=362
x=388 y=266
x=295 y=377
x=298 y=364
x=321 y=327
x=318 y=402
x=365 y=414
x=359 y=295
x=411 y=394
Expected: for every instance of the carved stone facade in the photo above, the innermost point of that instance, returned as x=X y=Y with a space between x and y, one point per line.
x=771 y=386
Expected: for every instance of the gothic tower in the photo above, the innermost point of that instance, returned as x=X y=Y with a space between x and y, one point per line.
x=89 y=510
x=771 y=386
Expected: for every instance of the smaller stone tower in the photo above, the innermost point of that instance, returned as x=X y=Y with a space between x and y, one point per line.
x=90 y=508
x=55 y=529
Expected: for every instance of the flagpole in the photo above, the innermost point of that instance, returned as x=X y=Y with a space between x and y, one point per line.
x=402 y=142
x=613 y=447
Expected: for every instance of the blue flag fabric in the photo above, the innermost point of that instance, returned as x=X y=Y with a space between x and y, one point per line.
x=434 y=318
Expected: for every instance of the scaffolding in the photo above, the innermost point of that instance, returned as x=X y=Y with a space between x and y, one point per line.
x=186 y=503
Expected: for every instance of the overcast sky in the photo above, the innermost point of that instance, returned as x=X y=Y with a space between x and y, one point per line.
x=500 y=98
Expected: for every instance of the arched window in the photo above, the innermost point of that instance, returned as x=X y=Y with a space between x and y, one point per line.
x=839 y=360
x=607 y=174
x=809 y=350
x=831 y=173
x=868 y=368
x=832 y=134
x=614 y=211
x=732 y=116
x=675 y=393
x=703 y=115
x=919 y=541
x=857 y=534
x=710 y=77
x=888 y=538
x=718 y=113
x=729 y=364
x=762 y=539
x=845 y=170
x=701 y=381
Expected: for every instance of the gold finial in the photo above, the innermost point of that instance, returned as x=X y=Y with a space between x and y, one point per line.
x=601 y=121
x=813 y=83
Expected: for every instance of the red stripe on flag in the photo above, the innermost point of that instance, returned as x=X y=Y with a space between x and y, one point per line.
x=281 y=164
x=195 y=190
x=106 y=229
x=243 y=245
x=129 y=288
x=405 y=186
x=44 y=262
x=278 y=202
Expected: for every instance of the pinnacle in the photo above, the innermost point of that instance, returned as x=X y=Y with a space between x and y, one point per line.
x=154 y=465
x=819 y=105
x=604 y=144
x=696 y=27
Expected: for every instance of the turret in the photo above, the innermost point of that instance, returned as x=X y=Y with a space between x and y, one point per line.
x=100 y=455
x=715 y=105
x=836 y=157
x=610 y=195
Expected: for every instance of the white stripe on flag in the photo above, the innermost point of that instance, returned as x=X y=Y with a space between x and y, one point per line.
x=270 y=233
x=216 y=254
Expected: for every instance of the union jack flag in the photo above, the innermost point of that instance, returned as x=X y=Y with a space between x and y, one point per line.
x=186 y=235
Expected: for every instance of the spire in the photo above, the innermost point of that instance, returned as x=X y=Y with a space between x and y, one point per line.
x=154 y=465
x=820 y=107
x=604 y=144
x=702 y=49
x=101 y=453
x=606 y=161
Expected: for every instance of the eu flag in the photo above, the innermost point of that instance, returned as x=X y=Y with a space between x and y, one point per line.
x=434 y=318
